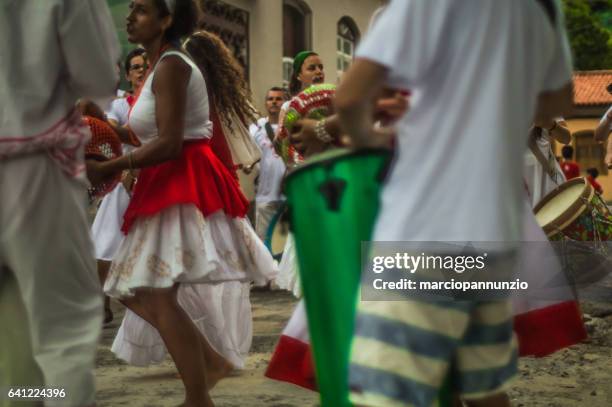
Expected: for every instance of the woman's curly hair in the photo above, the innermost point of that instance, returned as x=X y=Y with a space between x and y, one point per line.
x=224 y=76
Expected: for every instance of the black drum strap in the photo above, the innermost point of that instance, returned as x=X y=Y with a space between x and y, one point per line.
x=269 y=132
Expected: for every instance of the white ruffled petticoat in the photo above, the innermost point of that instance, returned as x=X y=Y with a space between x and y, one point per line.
x=288 y=277
x=222 y=313
x=106 y=229
x=215 y=258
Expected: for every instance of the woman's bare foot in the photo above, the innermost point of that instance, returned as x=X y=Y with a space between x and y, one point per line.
x=214 y=374
x=217 y=371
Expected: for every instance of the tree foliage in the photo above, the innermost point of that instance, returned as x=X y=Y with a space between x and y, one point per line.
x=590 y=40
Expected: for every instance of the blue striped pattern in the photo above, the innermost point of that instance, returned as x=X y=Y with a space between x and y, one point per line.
x=414 y=339
x=367 y=380
x=478 y=381
x=484 y=345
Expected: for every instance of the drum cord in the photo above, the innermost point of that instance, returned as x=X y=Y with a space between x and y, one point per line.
x=599 y=247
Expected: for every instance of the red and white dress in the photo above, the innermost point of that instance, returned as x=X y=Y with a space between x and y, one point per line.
x=186 y=224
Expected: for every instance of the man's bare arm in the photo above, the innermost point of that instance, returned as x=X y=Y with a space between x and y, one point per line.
x=356 y=98
x=604 y=128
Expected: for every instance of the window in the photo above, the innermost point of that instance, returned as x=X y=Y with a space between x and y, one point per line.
x=346 y=41
x=231 y=24
x=588 y=152
x=296 y=33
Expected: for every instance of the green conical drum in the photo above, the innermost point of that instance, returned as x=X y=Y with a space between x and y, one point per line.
x=333 y=201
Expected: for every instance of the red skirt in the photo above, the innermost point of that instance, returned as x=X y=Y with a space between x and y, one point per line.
x=198 y=177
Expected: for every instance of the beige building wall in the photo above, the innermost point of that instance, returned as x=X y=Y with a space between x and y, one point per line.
x=266 y=36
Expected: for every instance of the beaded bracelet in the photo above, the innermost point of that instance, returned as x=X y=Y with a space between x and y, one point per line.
x=322 y=133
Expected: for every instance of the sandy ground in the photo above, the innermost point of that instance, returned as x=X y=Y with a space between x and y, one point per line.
x=579 y=376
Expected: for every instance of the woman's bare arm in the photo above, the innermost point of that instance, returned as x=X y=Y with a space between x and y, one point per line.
x=170 y=89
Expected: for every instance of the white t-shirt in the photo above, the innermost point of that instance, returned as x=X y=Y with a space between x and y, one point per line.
x=271 y=166
x=475 y=69
x=118 y=111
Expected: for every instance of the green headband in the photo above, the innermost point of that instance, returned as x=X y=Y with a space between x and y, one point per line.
x=299 y=59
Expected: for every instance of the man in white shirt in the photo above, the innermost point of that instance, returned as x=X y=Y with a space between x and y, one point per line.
x=53 y=52
x=268 y=198
x=479 y=70
x=603 y=130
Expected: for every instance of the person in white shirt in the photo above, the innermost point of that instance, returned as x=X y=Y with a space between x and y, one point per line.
x=603 y=130
x=479 y=71
x=541 y=169
x=106 y=228
x=135 y=67
x=53 y=53
x=268 y=198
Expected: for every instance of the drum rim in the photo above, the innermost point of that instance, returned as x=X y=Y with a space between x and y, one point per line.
x=339 y=152
x=572 y=212
x=270 y=231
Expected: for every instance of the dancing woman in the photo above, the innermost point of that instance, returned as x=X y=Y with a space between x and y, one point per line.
x=221 y=310
x=185 y=222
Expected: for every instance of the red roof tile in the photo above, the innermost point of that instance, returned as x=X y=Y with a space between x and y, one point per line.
x=590 y=88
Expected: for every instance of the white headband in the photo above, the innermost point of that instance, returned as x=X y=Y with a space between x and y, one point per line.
x=171 y=5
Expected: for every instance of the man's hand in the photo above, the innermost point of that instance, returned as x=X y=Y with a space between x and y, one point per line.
x=305 y=139
x=381 y=137
x=389 y=109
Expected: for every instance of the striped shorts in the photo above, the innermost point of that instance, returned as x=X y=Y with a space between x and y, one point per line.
x=404 y=350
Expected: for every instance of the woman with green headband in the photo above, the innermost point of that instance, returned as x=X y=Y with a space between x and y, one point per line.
x=315 y=136
x=307 y=70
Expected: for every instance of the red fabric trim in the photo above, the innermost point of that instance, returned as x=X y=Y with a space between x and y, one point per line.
x=197 y=177
x=71 y=116
x=544 y=331
x=292 y=362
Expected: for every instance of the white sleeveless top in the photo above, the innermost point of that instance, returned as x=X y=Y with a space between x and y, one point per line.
x=142 y=119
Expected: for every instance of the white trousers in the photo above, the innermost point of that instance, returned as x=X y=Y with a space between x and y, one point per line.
x=50 y=296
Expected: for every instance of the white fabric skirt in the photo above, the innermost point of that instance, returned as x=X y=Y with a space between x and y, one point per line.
x=222 y=313
x=179 y=245
x=288 y=277
x=106 y=229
